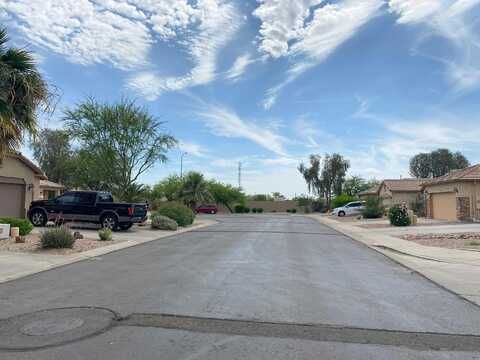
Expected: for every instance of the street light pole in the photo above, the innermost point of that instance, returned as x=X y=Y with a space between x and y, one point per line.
x=181 y=164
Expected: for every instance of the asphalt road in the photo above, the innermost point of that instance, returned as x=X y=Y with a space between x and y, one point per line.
x=250 y=287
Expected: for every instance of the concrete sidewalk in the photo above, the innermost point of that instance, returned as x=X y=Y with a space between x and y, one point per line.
x=456 y=270
x=14 y=265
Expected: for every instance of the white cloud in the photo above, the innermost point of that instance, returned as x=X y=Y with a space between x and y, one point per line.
x=193 y=149
x=397 y=140
x=122 y=32
x=80 y=31
x=239 y=66
x=223 y=122
x=282 y=22
x=218 y=22
x=455 y=21
x=331 y=25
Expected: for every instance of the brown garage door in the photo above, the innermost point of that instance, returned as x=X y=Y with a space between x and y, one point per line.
x=444 y=206
x=12 y=201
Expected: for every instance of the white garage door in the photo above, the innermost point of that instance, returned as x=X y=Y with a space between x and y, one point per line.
x=12 y=200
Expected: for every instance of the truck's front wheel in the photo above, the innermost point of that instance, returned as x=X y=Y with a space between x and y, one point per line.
x=109 y=221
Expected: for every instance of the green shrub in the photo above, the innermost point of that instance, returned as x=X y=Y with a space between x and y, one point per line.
x=239 y=209
x=288 y=210
x=182 y=214
x=259 y=210
x=246 y=210
x=161 y=222
x=155 y=204
x=57 y=238
x=398 y=216
x=342 y=200
x=254 y=210
x=105 y=234
x=24 y=225
x=373 y=208
x=293 y=211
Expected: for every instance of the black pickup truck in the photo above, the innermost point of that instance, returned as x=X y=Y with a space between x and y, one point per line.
x=87 y=206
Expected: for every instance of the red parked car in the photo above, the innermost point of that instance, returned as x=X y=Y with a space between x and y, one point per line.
x=207 y=209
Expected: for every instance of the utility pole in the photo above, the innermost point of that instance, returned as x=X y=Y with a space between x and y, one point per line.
x=181 y=164
x=239 y=174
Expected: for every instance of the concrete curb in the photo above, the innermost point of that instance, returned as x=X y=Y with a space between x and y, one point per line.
x=48 y=262
x=375 y=239
x=412 y=262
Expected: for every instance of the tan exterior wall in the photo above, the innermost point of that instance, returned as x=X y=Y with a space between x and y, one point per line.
x=461 y=189
x=268 y=206
x=12 y=167
x=406 y=197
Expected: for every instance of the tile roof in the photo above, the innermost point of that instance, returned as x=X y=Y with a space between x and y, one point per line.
x=469 y=173
x=372 y=191
x=404 y=184
x=51 y=184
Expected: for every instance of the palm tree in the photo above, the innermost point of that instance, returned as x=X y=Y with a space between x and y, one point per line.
x=194 y=190
x=22 y=91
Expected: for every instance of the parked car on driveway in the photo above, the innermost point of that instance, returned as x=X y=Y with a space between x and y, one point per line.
x=352 y=208
x=206 y=209
x=87 y=206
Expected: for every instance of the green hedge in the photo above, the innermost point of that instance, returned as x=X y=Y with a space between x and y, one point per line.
x=182 y=214
x=373 y=208
x=161 y=222
x=24 y=225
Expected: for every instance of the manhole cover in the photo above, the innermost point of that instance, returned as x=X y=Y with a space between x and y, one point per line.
x=53 y=327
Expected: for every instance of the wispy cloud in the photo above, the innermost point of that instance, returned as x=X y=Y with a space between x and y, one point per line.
x=239 y=67
x=312 y=42
x=193 y=149
x=224 y=122
x=455 y=21
x=218 y=23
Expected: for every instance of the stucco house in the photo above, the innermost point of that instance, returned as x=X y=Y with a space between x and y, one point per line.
x=19 y=184
x=454 y=196
x=50 y=189
x=396 y=191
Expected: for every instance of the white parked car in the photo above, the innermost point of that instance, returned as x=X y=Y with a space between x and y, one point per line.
x=352 y=208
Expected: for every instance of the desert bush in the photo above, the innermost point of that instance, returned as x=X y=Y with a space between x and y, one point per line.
x=398 y=216
x=161 y=222
x=24 y=225
x=105 y=234
x=155 y=204
x=342 y=200
x=239 y=208
x=182 y=214
x=57 y=238
x=373 y=208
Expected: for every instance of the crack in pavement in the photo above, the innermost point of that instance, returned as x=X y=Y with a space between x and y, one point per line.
x=315 y=332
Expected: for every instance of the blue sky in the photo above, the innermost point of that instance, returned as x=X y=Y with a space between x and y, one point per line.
x=269 y=82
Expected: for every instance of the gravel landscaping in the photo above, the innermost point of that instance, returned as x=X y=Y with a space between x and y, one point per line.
x=450 y=241
x=32 y=245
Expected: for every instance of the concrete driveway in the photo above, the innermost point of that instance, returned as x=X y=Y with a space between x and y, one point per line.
x=250 y=287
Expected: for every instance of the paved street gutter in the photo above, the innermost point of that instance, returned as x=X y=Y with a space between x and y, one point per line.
x=454 y=270
x=14 y=265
